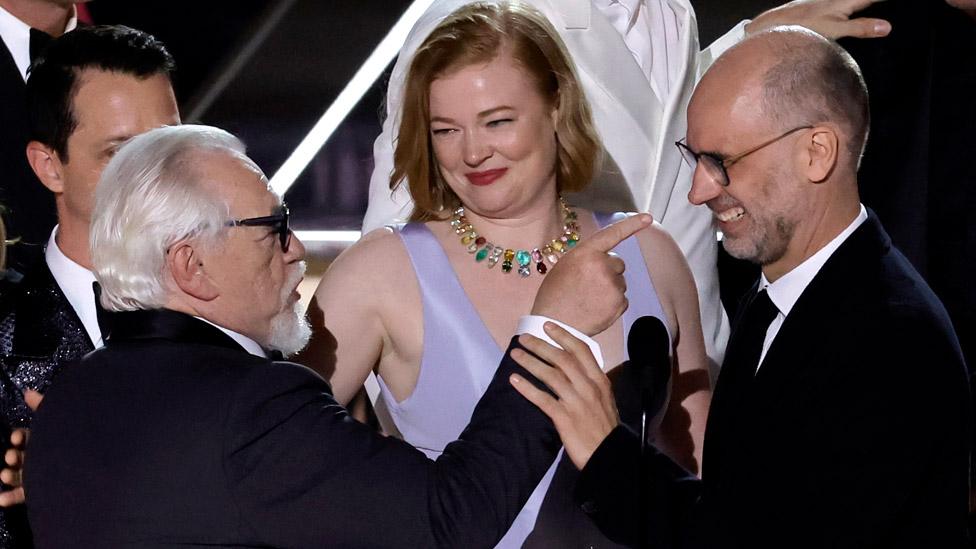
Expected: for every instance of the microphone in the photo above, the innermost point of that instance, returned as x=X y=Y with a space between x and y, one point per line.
x=649 y=348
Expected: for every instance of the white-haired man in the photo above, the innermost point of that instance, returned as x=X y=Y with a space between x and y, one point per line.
x=181 y=431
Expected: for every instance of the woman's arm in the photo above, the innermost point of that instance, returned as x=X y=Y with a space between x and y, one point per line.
x=349 y=333
x=682 y=432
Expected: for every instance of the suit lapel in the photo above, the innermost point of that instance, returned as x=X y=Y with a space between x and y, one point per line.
x=46 y=335
x=818 y=326
x=816 y=330
x=667 y=164
x=46 y=324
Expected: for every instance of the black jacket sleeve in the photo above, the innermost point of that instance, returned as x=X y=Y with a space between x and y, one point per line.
x=305 y=474
x=647 y=501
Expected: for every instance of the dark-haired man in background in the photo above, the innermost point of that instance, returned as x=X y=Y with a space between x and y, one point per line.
x=93 y=89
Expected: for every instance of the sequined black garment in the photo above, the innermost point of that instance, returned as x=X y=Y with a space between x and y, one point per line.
x=39 y=334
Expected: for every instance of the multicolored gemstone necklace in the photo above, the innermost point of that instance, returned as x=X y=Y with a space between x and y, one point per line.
x=548 y=252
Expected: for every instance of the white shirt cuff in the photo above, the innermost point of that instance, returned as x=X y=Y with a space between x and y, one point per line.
x=532 y=325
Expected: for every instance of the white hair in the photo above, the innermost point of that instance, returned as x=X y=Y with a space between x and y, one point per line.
x=149 y=198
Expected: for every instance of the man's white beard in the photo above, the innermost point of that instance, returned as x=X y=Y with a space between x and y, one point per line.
x=289 y=328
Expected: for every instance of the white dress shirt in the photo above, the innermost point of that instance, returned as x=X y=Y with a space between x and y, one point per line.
x=651 y=30
x=75 y=282
x=16 y=36
x=785 y=292
x=249 y=344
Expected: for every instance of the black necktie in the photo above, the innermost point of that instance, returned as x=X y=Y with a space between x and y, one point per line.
x=38 y=41
x=747 y=341
x=101 y=314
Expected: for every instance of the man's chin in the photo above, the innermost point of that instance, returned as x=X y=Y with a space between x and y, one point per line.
x=290 y=333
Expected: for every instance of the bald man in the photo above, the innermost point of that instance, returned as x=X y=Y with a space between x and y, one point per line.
x=841 y=415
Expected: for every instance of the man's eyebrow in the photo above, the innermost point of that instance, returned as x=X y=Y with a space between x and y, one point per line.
x=117 y=140
x=714 y=154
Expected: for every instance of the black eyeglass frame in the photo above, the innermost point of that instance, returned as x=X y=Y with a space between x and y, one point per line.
x=722 y=164
x=277 y=221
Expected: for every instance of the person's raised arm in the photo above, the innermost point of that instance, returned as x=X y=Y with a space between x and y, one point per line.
x=583 y=408
x=293 y=454
x=831 y=18
x=594 y=279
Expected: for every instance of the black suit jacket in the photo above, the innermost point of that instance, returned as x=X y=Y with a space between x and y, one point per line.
x=172 y=435
x=854 y=432
x=30 y=212
x=39 y=333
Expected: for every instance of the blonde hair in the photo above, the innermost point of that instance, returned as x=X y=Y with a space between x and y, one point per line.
x=476 y=34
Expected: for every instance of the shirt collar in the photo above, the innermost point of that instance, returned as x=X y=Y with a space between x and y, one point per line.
x=75 y=282
x=787 y=289
x=247 y=343
x=16 y=36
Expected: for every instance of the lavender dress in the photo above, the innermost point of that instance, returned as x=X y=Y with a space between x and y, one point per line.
x=460 y=356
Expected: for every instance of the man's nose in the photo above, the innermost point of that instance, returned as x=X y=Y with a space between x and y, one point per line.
x=296 y=250
x=703 y=187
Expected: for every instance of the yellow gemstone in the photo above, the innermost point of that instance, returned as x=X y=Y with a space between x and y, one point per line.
x=509 y=255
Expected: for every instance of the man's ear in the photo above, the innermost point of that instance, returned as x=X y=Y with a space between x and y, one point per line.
x=186 y=266
x=821 y=152
x=46 y=165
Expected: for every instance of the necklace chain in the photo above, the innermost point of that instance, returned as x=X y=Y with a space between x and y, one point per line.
x=548 y=252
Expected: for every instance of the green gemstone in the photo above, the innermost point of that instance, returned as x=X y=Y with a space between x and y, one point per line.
x=571 y=243
x=523 y=257
x=482 y=254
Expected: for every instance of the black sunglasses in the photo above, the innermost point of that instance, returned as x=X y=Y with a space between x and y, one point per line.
x=278 y=222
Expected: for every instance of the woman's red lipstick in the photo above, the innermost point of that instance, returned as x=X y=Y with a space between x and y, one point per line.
x=486 y=177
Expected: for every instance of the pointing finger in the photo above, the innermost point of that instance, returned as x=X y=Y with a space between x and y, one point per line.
x=611 y=235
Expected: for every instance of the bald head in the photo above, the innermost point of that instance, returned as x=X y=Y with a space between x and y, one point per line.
x=776 y=129
x=788 y=77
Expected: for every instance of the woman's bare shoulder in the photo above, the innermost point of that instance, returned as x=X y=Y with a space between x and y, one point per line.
x=377 y=257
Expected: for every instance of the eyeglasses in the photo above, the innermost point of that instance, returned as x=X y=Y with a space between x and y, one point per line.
x=278 y=222
x=716 y=167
